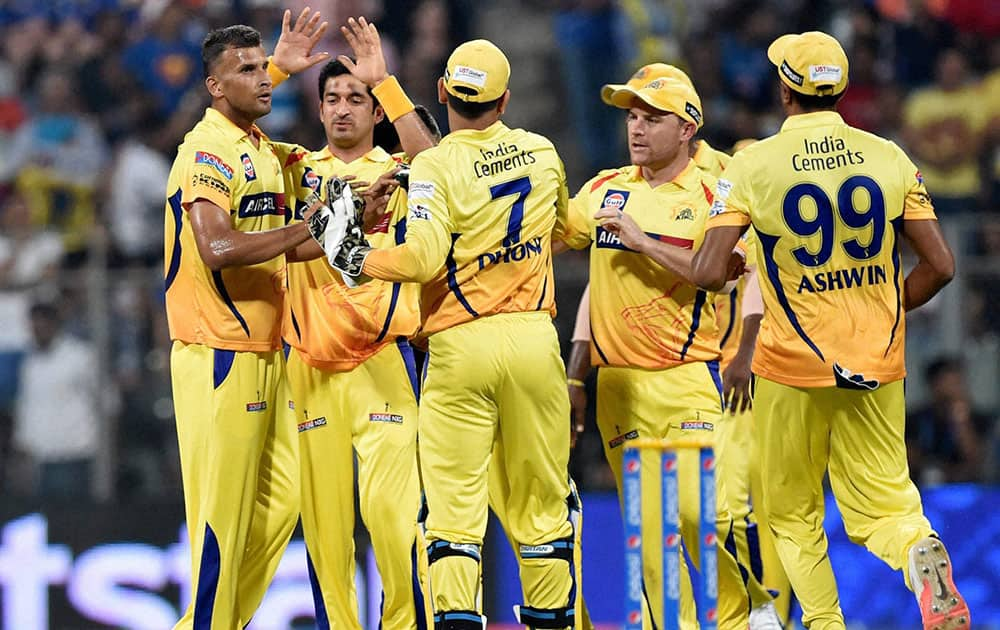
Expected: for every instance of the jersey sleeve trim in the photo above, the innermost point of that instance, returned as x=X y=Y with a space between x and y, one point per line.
x=727 y=219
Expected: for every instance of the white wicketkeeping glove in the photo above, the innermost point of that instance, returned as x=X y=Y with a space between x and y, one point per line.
x=329 y=227
x=352 y=248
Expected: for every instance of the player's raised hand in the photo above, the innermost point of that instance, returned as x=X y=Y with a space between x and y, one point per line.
x=363 y=38
x=624 y=226
x=293 y=52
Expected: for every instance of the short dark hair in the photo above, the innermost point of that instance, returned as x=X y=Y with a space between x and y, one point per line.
x=940 y=366
x=386 y=136
x=810 y=102
x=336 y=68
x=222 y=39
x=470 y=110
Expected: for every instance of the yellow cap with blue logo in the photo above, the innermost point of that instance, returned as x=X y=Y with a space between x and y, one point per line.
x=811 y=63
x=477 y=72
x=666 y=95
x=644 y=75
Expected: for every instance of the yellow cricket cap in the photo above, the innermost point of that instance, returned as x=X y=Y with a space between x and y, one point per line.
x=644 y=75
x=477 y=72
x=812 y=63
x=667 y=95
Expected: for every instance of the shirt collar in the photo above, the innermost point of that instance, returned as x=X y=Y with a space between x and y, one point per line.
x=228 y=128
x=812 y=119
x=377 y=154
x=687 y=179
x=484 y=134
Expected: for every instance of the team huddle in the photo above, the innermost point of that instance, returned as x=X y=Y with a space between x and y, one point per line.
x=297 y=280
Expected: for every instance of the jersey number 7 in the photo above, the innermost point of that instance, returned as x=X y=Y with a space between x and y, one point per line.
x=520 y=187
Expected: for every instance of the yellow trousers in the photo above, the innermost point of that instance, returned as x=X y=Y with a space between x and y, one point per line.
x=682 y=401
x=857 y=438
x=239 y=465
x=495 y=395
x=738 y=469
x=367 y=416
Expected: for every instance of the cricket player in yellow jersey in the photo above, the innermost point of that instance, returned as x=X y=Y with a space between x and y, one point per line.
x=350 y=366
x=225 y=236
x=704 y=156
x=482 y=206
x=828 y=205
x=653 y=331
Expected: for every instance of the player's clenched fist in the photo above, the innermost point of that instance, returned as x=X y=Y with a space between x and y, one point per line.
x=624 y=226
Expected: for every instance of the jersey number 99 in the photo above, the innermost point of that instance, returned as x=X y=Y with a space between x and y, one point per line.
x=824 y=221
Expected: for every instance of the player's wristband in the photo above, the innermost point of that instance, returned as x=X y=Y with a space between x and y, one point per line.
x=393 y=99
x=278 y=76
x=575 y=382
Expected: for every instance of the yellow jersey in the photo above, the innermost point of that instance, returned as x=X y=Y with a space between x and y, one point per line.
x=945 y=123
x=728 y=304
x=334 y=327
x=481 y=209
x=827 y=203
x=709 y=159
x=238 y=308
x=641 y=314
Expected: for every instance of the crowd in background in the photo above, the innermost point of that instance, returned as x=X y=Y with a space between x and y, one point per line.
x=95 y=96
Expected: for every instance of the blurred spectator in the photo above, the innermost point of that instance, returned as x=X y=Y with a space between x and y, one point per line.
x=58 y=155
x=920 y=39
x=22 y=46
x=59 y=137
x=166 y=60
x=135 y=201
x=945 y=439
x=652 y=30
x=990 y=93
x=746 y=71
x=111 y=93
x=974 y=16
x=590 y=57
x=982 y=342
x=944 y=125
x=12 y=113
x=57 y=418
x=425 y=60
x=860 y=105
x=29 y=257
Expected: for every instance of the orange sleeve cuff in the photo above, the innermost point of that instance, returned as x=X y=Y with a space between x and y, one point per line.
x=278 y=76
x=918 y=213
x=202 y=192
x=727 y=219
